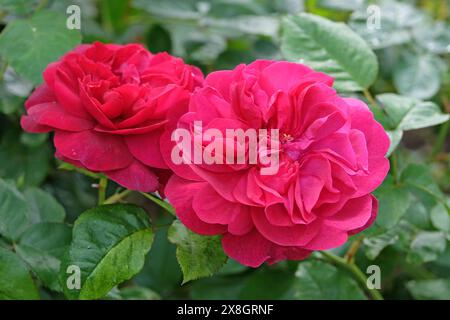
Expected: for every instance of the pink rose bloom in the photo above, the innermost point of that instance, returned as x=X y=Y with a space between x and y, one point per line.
x=331 y=157
x=107 y=105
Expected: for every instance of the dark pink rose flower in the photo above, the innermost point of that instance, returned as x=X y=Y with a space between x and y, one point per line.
x=331 y=157
x=107 y=105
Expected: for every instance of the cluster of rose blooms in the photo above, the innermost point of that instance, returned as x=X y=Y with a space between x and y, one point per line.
x=113 y=109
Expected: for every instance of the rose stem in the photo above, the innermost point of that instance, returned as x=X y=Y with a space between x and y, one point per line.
x=102 y=184
x=355 y=271
x=163 y=204
x=117 y=197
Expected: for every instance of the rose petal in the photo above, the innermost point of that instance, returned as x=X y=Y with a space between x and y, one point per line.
x=135 y=177
x=96 y=151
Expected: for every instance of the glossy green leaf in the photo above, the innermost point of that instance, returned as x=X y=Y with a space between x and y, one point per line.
x=418 y=75
x=43 y=207
x=440 y=217
x=395 y=136
x=427 y=246
x=161 y=271
x=435 y=289
x=29 y=45
x=317 y=280
x=409 y=114
x=268 y=285
x=435 y=37
x=42 y=246
x=133 y=293
x=395 y=22
x=418 y=177
x=23 y=163
x=375 y=244
x=15 y=280
x=199 y=256
x=393 y=202
x=14 y=218
x=109 y=246
x=19 y=7
x=324 y=46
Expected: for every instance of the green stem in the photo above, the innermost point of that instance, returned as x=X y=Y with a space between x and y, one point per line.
x=102 y=184
x=70 y=167
x=351 y=253
x=355 y=271
x=443 y=131
x=370 y=98
x=394 y=166
x=163 y=204
x=117 y=197
x=41 y=5
x=3 y=70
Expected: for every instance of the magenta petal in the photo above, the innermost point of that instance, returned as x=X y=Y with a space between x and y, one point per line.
x=67 y=96
x=252 y=249
x=180 y=193
x=135 y=177
x=210 y=207
x=146 y=148
x=40 y=95
x=327 y=238
x=285 y=75
x=296 y=235
x=52 y=115
x=355 y=214
x=29 y=124
x=96 y=151
x=373 y=216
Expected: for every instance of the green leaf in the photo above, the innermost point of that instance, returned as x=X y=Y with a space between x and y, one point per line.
x=199 y=256
x=267 y=285
x=19 y=7
x=42 y=246
x=232 y=267
x=15 y=280
x=396 y=20
x=21 y=162
x=418 y=75
x=133 y=293
x=109 y=246
x=405 y=113
x=259 y=25
x=43 y=207
x=161 y=271
x=340 y=5
x=13 y=91
x=317 y=280
x=29 y=45
x=440 y=217
x=408 y=113
x=435 y=37
x=427 y=246
x=434 y=289
x=177 y=9
x=375 y=244
x=419 y=179
x=394 y=200
x=324 y=46
x=395 y=136
x=74 y=191
x=217 y=288
x=14 y=218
